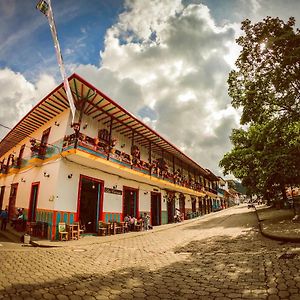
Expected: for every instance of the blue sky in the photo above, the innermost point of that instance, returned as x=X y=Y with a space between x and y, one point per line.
x=166 y=61
x=26 y=39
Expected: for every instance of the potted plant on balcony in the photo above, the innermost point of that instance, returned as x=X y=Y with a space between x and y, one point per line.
x=35 y=146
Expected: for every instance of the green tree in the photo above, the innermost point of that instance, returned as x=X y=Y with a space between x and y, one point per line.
x=267 y=80
x=266 y=85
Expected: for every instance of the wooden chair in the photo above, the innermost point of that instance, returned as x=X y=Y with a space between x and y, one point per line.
x=122 y=225
x=63 y=233
x=79 y=229
x=117 y=228
x=102 y=229
x=73 y=231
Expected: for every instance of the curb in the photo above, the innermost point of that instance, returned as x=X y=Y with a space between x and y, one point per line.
x=272 y=236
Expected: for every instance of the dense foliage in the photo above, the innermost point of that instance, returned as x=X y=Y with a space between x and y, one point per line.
x=266 y=85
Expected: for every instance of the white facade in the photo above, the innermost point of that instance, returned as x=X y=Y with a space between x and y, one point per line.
x=75 y=166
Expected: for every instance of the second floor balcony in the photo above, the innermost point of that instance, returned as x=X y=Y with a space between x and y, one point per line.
x=157 y=168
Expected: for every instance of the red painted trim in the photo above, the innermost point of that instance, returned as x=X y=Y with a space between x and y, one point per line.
x=101 y=202
x=78 y=195
x=53 y=226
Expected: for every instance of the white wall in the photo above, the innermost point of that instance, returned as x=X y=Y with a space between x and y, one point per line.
x=67 y=190
x=35 y=174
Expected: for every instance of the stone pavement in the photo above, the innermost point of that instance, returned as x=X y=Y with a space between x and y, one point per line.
x=220 y=256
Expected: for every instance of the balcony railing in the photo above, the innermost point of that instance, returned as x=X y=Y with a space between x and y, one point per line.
x=38 y=149
x=158 y=168
x=13 y=163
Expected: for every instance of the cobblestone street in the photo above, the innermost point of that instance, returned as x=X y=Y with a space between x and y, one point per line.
x=219 y=256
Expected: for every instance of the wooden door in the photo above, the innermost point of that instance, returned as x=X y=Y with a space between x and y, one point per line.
x=155 y=209
x=33 y=202
x=130 y=202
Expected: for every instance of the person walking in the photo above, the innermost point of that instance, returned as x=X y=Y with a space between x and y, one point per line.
x=4 y=218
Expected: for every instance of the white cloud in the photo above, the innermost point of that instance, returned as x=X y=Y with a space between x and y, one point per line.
x=165 y=61
x=173 y=60
x=18 y=96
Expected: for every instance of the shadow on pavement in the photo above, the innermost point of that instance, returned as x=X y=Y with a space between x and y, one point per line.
x=6 y=236
x=215 y=267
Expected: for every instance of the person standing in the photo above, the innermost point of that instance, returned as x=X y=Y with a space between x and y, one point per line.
x=4 y=218
x=146 y=221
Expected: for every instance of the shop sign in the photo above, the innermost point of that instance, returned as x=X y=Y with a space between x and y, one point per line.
x=113 y=191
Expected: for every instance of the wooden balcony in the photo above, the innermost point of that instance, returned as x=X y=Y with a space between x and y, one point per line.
x=101 y=149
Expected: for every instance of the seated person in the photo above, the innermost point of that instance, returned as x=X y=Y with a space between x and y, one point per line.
x=127 y=219
x=18 y=222
x=132 y=222
x=20 y=214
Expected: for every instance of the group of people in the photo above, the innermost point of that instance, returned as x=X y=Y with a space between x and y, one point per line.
x=19 y=218
x=132 y=222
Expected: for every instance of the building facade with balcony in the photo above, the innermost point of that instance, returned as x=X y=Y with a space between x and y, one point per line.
x=106 y=165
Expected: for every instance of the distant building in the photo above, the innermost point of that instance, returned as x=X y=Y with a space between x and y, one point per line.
x=234 y=192
x=106 y=166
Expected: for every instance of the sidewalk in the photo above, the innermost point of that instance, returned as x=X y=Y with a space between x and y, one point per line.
x=15 y=236
x=273 y=223
x=90 y=240
x=277 y=224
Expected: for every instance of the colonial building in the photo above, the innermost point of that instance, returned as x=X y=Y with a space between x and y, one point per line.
x=105 y=166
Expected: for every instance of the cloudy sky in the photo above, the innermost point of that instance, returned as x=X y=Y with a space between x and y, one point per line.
x=166 y=61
